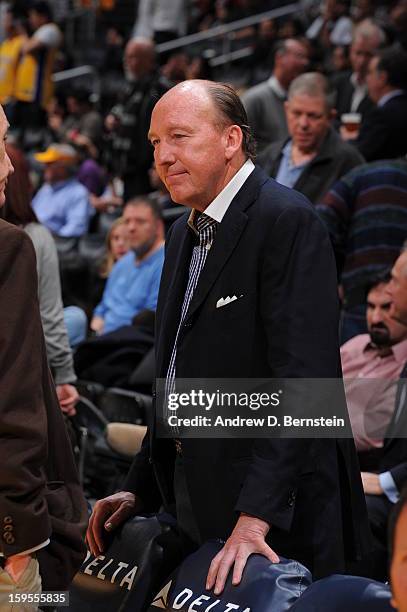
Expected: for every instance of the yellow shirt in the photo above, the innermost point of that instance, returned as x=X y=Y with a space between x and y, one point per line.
x=34 y=72
x=9 y=57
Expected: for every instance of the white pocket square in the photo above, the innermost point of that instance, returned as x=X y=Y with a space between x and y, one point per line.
x=225 y=301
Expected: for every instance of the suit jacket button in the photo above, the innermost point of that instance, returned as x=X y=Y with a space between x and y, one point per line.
x=11 y=540
x=291 y=499
x=8 y=528
x=7 y=519
x=8 y=537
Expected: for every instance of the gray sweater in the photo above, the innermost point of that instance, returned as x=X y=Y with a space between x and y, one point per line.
x=52 y=314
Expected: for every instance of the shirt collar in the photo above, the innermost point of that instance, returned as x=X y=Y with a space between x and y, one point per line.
x=355 y=82
x=399 y=350
x=286 y=152
x=60 y=184
x=278 y=89
x=392 y=94
x=218 y=207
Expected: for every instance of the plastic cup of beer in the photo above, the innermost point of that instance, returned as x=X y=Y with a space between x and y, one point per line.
x=351 y=121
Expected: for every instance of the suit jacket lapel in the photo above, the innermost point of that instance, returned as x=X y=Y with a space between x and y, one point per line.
x=398 y=422
x=227 y=237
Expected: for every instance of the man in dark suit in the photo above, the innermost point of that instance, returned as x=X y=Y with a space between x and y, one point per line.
x=247 y=236
x=384 y=133
x=351 y=90
x=42 y=509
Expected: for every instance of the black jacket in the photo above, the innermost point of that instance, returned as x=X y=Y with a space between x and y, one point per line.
x=384 y=133
x=334 y=159
x=344 y=93
x=271 y=249
x=394 y=451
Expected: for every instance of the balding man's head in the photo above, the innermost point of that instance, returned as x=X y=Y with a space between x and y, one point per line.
x=367 y=39
x=139 y=57
x=200 y=136
x=291 y=59
x=398 y=289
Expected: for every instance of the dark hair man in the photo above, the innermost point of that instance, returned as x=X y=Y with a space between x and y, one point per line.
x=246 y=236
x=384 y=133
x=371 y=363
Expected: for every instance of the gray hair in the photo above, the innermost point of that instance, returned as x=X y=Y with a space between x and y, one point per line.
x=368 y=29
x=315 y=85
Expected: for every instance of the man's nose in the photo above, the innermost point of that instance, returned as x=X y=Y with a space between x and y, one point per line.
x=304 y=122
x=163 y=154
x=377 y=316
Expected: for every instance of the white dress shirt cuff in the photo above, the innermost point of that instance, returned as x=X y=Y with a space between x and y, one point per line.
x=31 y=550
x=389 y=487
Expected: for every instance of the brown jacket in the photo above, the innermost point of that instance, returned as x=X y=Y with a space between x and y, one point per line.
x=40 y=495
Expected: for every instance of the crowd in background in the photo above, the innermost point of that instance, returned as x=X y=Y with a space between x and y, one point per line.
x=325 y=92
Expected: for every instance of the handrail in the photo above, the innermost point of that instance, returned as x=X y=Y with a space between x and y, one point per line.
x=73 y=73
x=227 y=28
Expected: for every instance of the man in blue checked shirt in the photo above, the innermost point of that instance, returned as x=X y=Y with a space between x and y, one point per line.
x=135 y=279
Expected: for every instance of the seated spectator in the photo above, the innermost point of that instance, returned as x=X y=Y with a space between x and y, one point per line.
x=383 y=486
x=134 y=281
x=333 y=26
x=62 y=203
x=366 y=216
x=10 y=50
x=175 y=68
x=264 y=103
x=19 y=212
x=383 y=135
x=259 y=62
x=398 y=553
x=371 y=363
x=340 y=60
x=351 y=88
x=34 y=85
x=117 y=245
x=83 y=125
x=314 y=156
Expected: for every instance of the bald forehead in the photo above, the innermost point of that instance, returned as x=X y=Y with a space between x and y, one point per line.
x=191 y=98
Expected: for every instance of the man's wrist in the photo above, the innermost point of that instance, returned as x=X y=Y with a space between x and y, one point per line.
x=256 y=523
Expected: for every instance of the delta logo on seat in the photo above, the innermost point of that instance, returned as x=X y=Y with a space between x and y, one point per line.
x=196 y=603
x=116 y=572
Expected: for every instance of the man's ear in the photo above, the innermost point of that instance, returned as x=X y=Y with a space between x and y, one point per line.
x=332 y=114
x=233 y=140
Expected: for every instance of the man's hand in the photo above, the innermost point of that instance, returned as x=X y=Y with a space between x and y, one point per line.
x=107 y=515
x=97 y=324
x=371 y=484
x=68 y=396
x=248 y=537
x=16 y=565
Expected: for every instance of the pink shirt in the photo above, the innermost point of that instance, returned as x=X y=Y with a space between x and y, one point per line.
x=370 y=385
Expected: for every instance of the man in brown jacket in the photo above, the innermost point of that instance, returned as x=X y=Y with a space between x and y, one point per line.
x=42 y=508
